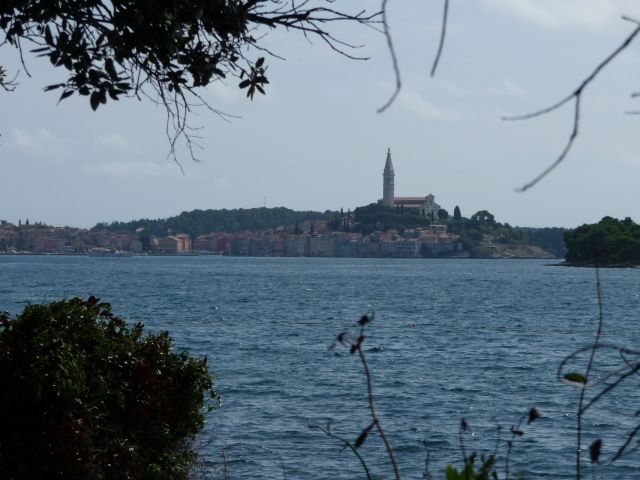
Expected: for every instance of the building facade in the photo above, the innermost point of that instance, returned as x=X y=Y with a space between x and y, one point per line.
x=425 y=206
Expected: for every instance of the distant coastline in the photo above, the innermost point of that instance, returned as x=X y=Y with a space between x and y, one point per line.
x=596 y=264
x=209 y=254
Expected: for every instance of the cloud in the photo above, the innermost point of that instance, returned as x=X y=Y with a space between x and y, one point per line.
x=507 y=88
x=133 y=169
x=221 y=183
x=224 y=92
x=115 y=140
x=415 y=103
x=587 y=14
x=34 y=140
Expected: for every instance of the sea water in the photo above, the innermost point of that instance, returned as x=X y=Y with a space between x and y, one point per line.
x=479 y=340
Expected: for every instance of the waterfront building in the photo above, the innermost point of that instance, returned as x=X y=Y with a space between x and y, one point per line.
x=294 y=246
x=180 y=243
x=321 y=246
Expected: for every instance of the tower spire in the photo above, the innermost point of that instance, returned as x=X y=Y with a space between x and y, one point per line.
x=388 y=181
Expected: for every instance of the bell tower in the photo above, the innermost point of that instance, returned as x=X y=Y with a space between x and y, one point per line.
x=387 y=184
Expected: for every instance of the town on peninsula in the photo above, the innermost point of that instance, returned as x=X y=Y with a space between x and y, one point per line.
x=394 y=226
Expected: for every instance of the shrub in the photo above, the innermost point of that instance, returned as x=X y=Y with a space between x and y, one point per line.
x=84 y=396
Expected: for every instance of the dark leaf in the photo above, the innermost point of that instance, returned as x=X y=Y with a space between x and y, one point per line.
x=260 y=62
x=47 y=36
x=53 y=87
x=363 y=320
x=244 y=83
x=575 y=377
x=464 y=425
x=517 y=432
x=594 y=450
x=111 y=70
x=94 y=100
x=66 y=94
x=363 y=436
x=533 y=415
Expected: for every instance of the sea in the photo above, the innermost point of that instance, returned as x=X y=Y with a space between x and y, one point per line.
x=450 y=340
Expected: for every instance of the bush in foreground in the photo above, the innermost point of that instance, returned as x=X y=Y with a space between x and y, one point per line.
x=84 y=396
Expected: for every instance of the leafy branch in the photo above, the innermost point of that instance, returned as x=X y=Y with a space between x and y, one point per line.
x=165 y=51
x=355 y=346
x=610 y=382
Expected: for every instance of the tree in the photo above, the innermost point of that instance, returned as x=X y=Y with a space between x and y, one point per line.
x=483 y=216
x=84 y=396
x=162 y=50
x=443 y=214
x=456 y=213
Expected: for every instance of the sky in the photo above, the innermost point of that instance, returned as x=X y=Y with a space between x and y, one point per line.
x=315 y=141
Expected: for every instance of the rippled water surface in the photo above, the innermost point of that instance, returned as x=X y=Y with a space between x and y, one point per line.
x=452 y=339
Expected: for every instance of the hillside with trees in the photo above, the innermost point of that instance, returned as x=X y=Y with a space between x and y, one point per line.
x=481 y=235
x=610 y=242
x=199 y=222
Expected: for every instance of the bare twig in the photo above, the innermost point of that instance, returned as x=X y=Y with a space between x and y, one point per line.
x=347 y=444
x=576 y=97
x=609 y=387
x=372 y=409
x=443 y=34
x=225 y=465
x=588 y=371
x=462 y=428
x=394 y=59
x=356 y=346
x=427 y=475
x=624 y=446
x=515 y=431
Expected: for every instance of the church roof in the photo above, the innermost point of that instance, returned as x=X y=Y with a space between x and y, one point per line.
x=409 y=199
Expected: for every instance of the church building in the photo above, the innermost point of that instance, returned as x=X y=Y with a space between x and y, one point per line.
x=425 y=206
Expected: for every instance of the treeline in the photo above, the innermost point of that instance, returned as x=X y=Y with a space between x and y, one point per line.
x=482 y=227
x=479 y=227
x=199 y=222
x=610 y=242
x=376 y=217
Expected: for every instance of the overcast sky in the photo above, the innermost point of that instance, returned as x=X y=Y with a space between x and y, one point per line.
x=315 y=142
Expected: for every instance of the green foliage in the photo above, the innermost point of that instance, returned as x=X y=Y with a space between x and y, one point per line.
x=608 y=242
x=84 y=396
x=483 y=217
x=486 y=469
x=378 y=217
x=456 y=213
x=199 y=222
x=482 y=225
